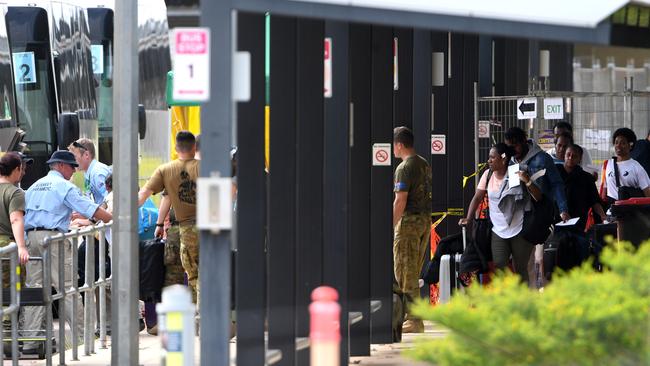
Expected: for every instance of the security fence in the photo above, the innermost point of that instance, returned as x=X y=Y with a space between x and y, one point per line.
x=58 y=242
x=594 y=117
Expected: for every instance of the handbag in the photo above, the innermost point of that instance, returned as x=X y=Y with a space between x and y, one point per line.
x=482 y=230
x=624 y=192
x=538 y=221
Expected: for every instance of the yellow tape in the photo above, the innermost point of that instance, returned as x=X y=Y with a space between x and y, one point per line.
x=450 y=212
x=435 y=224
x=18 y=286
x=481 y=166
x=18 y=270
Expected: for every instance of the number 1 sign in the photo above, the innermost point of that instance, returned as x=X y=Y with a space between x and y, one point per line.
x=191 y=60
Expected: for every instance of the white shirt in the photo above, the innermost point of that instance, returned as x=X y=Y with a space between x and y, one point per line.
x=587 y=164
x=631 y=174
x=499 y=223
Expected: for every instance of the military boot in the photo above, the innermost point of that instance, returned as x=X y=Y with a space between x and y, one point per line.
x=413 y=326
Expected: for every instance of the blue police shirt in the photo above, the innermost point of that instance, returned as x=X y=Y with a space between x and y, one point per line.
x=95 y=181
x=49 y=203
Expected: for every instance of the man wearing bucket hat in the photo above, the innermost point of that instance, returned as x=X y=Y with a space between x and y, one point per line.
x=50 y=202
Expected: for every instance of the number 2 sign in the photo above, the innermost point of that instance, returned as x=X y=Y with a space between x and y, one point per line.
x=191 y=60
x=24 y=67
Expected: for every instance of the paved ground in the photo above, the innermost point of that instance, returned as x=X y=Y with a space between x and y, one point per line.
x=390 y=354
x=381 y=355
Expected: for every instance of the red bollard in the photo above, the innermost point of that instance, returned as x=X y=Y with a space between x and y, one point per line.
x=325 y=329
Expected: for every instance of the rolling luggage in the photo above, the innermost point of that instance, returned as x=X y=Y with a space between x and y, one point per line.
x=564 y=249
x=152 y=269
x=596 y=236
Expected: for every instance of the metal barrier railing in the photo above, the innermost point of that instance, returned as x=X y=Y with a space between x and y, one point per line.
x=11 y=250
x=57 y=242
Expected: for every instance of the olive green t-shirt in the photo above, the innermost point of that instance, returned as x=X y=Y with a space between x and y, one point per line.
x=178 y=179
x=13 y=199
x=413 y=175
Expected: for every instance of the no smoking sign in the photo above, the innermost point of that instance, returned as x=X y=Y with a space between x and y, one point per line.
x=438 y=144
x=381 y=155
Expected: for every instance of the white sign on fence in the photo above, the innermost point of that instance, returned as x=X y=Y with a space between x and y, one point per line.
x=484 y=129
x=553 y=108
x=526 y=108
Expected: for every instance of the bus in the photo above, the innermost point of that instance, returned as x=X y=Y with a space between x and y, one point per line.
x=63 y=75
x=154 y=62
x=55 y=98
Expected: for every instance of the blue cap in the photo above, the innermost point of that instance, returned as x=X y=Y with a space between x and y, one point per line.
x=63 y=156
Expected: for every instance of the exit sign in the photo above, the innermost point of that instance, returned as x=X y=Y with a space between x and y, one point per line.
x=553 y=108
x=191 y=64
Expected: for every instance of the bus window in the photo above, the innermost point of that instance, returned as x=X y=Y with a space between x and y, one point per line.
x=100 y=22
x=35 y=96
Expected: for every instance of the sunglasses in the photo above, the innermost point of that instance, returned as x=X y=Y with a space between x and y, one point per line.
x=79 y=146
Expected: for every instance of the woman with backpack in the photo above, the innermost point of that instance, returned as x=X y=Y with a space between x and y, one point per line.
x=506 y=210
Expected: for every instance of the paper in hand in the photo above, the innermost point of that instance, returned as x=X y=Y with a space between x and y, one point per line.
x=513 y=177
x=569 y=222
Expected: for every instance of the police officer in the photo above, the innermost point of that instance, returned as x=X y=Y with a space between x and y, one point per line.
x=95 y=172
x=50 y=202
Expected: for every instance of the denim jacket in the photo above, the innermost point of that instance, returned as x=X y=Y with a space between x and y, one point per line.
x=551 y=183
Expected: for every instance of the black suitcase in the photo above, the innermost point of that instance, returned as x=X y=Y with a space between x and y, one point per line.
x=596 y=235
x=152 y=269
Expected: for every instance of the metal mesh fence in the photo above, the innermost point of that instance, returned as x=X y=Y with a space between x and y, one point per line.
x=594 y=117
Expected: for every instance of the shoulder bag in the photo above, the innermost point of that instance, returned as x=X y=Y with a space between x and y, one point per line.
x=482 y=231
x=624 y=192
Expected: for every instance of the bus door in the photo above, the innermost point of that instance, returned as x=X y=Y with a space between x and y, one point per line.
x=36 y=104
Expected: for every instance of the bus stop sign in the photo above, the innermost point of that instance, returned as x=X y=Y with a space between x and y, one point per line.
x=191 y=64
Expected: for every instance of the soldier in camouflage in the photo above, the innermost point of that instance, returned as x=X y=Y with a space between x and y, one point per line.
x=174 y=272
x=411 y=220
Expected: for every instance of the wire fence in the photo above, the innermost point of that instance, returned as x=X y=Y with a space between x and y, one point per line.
x=594 y=117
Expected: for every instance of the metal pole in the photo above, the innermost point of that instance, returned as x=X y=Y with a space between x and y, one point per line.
x=61 y=249
x=125 y=149
x=2 y=308
x=15 y=300
x=47 y=297
x=75 y=303
x=89 y=296
x=102 y=289
x=214 y=266
x=476 y=141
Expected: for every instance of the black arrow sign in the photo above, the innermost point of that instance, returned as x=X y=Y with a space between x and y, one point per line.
x=526 y=107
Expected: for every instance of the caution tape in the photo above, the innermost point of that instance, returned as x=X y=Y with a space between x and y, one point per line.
x=450 y=212
x=481 y=166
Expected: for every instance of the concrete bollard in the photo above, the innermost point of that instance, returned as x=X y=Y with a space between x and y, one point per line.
x=176 y=326
x=325 y=327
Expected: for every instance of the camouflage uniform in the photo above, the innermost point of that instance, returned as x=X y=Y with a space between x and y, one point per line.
x=411 y=239
x=190 y=257
x=174 y=273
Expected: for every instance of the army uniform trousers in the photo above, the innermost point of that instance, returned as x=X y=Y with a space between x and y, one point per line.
x=409 y=247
